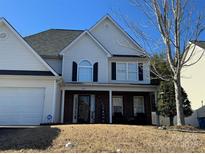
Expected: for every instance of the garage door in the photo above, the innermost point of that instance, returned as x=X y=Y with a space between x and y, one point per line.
x=21 y=106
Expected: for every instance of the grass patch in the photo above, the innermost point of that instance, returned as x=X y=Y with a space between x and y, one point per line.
x=99 y=138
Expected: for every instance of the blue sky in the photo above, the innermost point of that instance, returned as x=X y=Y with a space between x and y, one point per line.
x=32 y=16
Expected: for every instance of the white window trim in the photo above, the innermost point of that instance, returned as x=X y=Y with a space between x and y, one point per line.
x=127 y=70
x=143 y=104
x=85 y=67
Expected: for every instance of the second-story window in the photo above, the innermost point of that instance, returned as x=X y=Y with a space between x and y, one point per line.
x=126 y=71
x=121 y=69
x=85 y=70
x=132 y=71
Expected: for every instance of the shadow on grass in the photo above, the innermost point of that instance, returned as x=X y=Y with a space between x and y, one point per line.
x=32 y=138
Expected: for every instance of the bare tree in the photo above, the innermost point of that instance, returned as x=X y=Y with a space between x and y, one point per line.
x=177 y=24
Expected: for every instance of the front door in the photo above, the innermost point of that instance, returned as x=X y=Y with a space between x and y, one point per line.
x=84 y=109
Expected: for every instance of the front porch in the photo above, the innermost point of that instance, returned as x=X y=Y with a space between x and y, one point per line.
x=89 y=104
x=110 y=103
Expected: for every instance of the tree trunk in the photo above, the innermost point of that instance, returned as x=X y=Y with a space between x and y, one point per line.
x=171 y=121
x=178 y=99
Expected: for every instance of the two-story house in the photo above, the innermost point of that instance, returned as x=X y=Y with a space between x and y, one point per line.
x=100 y=75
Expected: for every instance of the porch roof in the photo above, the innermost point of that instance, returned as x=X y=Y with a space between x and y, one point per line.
x=110 y=87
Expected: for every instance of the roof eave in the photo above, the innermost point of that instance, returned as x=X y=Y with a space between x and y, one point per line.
x=136 y=56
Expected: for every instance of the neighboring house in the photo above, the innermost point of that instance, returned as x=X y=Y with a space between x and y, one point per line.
x=193 y=76
x=192 y=81
x=98 y=75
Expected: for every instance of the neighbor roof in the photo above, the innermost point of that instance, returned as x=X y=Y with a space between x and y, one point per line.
x=199 y=43
x=52 y=41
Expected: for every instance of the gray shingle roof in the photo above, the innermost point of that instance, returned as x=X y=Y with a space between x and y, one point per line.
x=52 y=41
x=200 y=43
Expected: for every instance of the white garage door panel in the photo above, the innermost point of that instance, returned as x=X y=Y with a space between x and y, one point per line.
x=21 y=106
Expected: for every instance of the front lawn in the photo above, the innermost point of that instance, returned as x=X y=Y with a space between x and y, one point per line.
x=99 y=138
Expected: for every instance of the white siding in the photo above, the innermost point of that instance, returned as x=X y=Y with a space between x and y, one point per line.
x=114 y=39
x=193 y=80
x=56 y=64
x=35 y=82
x=15 y=55
x=85 y=49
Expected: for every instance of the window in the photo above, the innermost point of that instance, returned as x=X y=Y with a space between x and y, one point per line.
x=121 y=71
x=117 y=104
x=138 y=104
x=127 y=71
x=85 y=70
x=132 y=71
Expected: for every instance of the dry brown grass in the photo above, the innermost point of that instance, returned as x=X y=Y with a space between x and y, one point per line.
x=99 y=138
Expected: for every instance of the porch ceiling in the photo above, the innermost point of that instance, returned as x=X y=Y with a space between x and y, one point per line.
x=110 y=87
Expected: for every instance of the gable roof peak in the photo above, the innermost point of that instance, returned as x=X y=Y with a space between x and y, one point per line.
x=92 y=37
x=200 y=43
x=109 y=17
x=13 y=30
x=2 y=18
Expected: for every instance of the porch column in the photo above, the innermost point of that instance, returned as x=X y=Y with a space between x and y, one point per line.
x=157 y=113
x=62 y=105
x=110 y=106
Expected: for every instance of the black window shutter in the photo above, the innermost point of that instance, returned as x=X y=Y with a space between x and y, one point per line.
x=95 y=72
x=74 y=71
x=113 y=71
x=140 y=69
